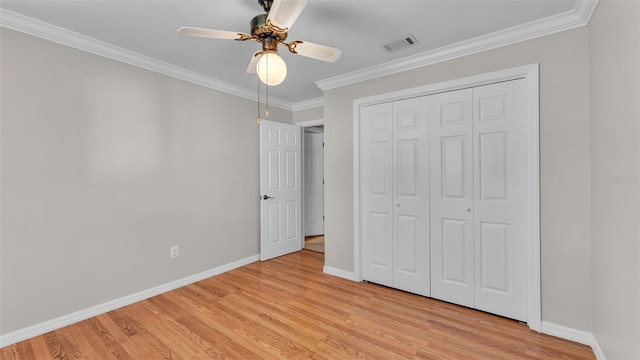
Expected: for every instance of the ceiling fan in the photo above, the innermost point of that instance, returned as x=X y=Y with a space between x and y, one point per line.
x=271 y=29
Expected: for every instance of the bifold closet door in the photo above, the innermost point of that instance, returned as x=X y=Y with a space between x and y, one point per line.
x=500 y=205
x=376 y=193
x=411 y=196
x=394 y=190
x=451 y=146
x=478 y=200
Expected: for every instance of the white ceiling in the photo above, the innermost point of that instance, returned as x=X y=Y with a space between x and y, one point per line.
x=358 y=27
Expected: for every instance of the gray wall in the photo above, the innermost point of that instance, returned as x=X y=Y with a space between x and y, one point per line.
x=614 y=50
x=308 y=114
x=564 y=162
x=104 y=166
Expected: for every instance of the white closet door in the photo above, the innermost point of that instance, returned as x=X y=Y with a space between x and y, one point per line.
x=314 y=183
x=450 y=117
x=500 y=199
x=376 y=193
x=411 y=196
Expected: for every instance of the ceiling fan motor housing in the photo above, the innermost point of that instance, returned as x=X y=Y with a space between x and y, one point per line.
x=261 y=29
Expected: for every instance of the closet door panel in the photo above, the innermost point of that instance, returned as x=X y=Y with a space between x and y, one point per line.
x=376 y=193
x=408 y=260
x=411 y=196
x=451 y=188
x=455 y=243
x=499 y=187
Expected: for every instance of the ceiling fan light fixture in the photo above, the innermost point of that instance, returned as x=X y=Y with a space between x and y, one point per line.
x=271 y=29
x=271 y=69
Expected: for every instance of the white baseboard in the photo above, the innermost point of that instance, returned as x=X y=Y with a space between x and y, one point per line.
x=571 y=334
x=62 y=321
x=340 y=273
x=548 y=328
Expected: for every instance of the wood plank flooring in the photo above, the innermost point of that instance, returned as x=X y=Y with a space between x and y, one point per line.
x=314 y=243
x=286 y=308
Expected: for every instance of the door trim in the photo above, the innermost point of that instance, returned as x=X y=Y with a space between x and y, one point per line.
x=310 y=123
x=530 y=74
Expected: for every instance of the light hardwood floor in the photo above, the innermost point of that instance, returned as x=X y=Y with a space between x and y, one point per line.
x=286 y=308
x=314 y=243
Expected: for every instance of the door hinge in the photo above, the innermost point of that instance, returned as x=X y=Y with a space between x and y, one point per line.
x=323 y=144
x=322 y=217
x=322 y=181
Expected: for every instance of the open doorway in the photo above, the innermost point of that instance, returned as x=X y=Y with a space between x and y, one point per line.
x=313 y=187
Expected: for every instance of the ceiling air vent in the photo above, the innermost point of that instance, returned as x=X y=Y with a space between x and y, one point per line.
x=403 y=43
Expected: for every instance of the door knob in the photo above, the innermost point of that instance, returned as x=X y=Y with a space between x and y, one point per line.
x=397 y=204
x=267 y=197
x=467 y=209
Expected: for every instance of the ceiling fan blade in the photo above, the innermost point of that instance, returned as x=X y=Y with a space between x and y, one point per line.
x=315 y=51
x=284 y=13
x=251 y=69
x=212 y=34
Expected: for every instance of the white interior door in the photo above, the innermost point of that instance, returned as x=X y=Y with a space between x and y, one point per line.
x=376 y=193
x=280 y=189
x=500 y=198
x=314 y=182
x=452 y=237
x=411 y=196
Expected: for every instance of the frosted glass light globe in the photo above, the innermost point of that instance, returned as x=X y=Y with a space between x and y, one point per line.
x=271 y=69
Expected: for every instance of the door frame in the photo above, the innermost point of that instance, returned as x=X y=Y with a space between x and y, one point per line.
x=306 y=124
x=530 y=74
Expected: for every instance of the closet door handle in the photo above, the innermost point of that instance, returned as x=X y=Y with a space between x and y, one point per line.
x=467 y=209
x=397 y=204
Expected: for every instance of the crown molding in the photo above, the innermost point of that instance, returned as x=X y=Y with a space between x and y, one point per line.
x=577 y=17
x=18 y=22
x=308 y=104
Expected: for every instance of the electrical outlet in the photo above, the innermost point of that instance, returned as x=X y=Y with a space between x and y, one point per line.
x=174 y=252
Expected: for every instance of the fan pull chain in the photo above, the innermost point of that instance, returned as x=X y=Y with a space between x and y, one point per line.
x=266 y=109
x=258 y=118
